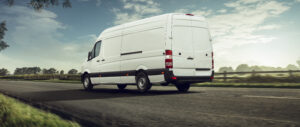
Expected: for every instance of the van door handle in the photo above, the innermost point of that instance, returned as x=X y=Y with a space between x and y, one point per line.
x=98 y=60
x=190 y=58
x=103 y=60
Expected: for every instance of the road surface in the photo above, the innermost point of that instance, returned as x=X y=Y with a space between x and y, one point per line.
x=163 y=106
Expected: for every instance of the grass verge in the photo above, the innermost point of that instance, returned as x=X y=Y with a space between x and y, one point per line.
x=51 y=80
x=58 y=81
x=249 y=85
x=14 y=113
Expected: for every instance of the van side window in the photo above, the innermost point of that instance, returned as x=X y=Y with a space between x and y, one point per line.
x=93 y=53
x=97 y=48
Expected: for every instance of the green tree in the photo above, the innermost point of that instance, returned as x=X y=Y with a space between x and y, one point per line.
x=62 y=72
x=45 y=71
x=291 y=67
x=4 y=72
x=242 y=68
x=298 y=62
x=27 y=70
x=255 y=68
x=49 y=71
x=37 y=70
x=73 y=71
x=52 y=71
x=227 y=69
x=3 y=45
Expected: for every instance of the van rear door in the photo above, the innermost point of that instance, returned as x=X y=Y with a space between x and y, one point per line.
x=191 y=46
x=202 y=48
x=182 y=44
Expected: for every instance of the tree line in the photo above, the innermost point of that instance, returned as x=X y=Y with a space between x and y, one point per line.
x=247 y=68
x=36 y=70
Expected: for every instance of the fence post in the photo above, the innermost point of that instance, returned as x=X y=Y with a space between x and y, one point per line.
x=225 y=76
x=290 y=73
x=253 y=73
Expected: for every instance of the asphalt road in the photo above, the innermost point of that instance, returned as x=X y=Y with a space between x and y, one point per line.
x=163 y=106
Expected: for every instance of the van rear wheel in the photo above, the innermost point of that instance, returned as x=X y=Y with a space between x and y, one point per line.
x=142 y=82
x=87 y=85
x=183 y=87
x=122 y=86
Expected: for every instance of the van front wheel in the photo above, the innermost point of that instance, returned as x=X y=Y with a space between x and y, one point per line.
x=182 y=87
x=87 y=85
x=142 y=82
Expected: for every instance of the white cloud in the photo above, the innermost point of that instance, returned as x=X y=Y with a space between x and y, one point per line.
x=268 y=27
x=222 y=11
x=134 y=10
x=238 y=24
x=123 y=17
x=34 y=40
x=241 y=25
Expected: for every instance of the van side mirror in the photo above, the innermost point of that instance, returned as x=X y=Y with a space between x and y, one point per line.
x=89 y=55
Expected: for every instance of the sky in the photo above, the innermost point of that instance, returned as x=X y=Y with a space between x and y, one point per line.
x=253 y=32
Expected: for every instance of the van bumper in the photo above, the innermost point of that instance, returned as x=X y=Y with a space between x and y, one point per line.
x=170 y=78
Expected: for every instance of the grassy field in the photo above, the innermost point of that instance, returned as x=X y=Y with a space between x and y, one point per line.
x=14 y=113
x=249 y=85
x=50 y=80
x=58 y=81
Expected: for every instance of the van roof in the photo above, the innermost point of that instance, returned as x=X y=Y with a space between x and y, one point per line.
x=197 y=17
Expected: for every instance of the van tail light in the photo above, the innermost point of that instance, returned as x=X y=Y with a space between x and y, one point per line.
x=212 y=60
x=189 y=14
x=169 y=59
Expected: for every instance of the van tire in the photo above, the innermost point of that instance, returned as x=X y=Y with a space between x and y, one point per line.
x=122 y=86
x=87 y=84
x=183 y=87
x=142 y=82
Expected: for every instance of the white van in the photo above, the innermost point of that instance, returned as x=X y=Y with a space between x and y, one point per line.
x=170 y=48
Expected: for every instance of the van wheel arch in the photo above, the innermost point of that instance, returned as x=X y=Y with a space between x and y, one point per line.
x=140 y=70
x=82 y=76
x=86 y=82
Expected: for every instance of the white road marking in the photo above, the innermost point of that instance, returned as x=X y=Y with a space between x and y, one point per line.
x=272 y=97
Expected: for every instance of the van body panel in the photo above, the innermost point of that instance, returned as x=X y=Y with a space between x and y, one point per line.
x=143 y=44
x=157 y=78
x=140 y=46
x=128 y=79
x=110 y=61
